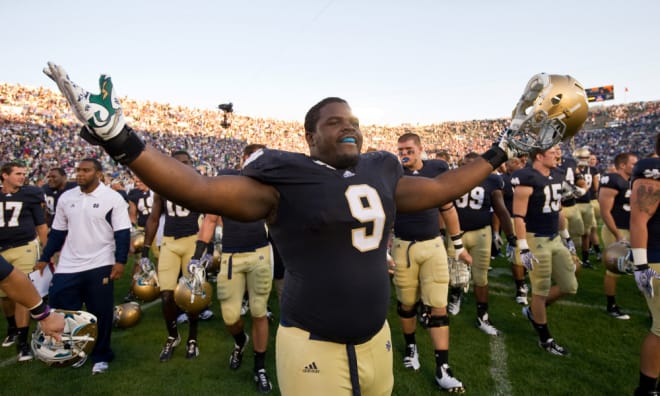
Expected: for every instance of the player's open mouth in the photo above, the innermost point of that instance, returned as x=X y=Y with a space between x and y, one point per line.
x=348 y=139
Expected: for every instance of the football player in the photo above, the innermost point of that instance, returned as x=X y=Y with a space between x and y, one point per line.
x=594 y=239
x=22 y=220
x=536 y=213
x=176 y=249
x=569 y=210
x=17 y=286
x=474 y=214
x=246 y=265
x=614 y=202
x=422 y=270
x=329 y=213
x=517 y=270
x=645 y=243
x=586 y=177
x=140 y=201
x=57 y=184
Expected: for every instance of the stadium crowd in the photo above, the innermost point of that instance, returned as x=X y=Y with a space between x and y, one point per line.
x=37 y=127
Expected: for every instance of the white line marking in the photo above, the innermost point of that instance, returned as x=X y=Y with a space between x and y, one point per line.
x=498 y=366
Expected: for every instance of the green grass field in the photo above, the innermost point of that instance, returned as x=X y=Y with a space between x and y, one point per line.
x=604 y=356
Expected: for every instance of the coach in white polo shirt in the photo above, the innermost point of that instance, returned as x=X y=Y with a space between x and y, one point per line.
x=92 y=229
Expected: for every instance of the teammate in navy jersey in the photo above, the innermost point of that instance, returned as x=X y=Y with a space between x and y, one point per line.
x=586 y=177
x=329 y=213
x=645 y=243
x=517 y=270
x=140 y=201
x=474 y=213
x=536 y=213
x=57 y=184
x=176 y=250
x=421 y=271
x=614 y=199
x=21 y=222
x=246 y=265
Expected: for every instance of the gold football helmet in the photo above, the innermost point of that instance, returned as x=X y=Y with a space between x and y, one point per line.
x=582 y=156
x=127 y=315
x=146 y=286
x=78 y=339
x=137 y=240
x=618 y=258
x=193 y=294
x=552 y=108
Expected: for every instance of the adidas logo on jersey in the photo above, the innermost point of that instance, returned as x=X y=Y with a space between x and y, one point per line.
x=311 y=368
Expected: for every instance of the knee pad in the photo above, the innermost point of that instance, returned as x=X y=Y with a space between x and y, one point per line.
x=437 y=321
x=405 y=314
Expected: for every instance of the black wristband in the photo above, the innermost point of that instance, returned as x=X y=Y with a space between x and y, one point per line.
x=210 y=248
x=200 y=248
x=123 y=148
x=495 y=156
x=145 y=251
x=456 y=237
x=511 y=239
x=41 y=311
x=641 y=267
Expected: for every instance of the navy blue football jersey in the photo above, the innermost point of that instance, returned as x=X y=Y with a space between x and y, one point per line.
x=20 y=213
x=568 y=168
x=507 y=192
x=240 y=236
x=332 y=230
x=649 y=168
x=143 y=201
x=179 y=221
x=621 y=208
x=420 y=226
x=545 y=202
x=474 y=207
x=587 y=173
x=52 y=196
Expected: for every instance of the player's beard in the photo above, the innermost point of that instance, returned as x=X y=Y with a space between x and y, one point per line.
x=346 y=161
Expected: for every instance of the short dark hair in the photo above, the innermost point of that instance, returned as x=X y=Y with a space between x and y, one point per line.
x=251 y=148
x=621 y=159
x=7 y=167
x=410 y=136
x=314 y=113
x=59 y=170
x=97 y=164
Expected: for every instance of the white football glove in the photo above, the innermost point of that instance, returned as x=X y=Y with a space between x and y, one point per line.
x=503 y=143
x=528 y=259
x=195 y=266
x=497 y=240
x=644 y=277
x=146 y=265
x=569 y=245
x=100 y=113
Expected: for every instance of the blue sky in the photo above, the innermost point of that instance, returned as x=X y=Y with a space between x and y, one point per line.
x=417 y=61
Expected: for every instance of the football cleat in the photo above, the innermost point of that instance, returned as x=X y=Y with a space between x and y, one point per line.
x=192 y=350
x=454 y=303
x=411 y=360
x=615 y=312
x=100 y=368
x=10 y=339
x=24 y=352
x=521 y=295
x=168 y=348
x=236 y=357
x=484 y=325
x=446 y=380
x=262 y=381
x=552 y=347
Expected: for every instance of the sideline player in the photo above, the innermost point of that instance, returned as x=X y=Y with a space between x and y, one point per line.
x=422 y=268
x=22 y=231
x=614 y=202
x=645 y=243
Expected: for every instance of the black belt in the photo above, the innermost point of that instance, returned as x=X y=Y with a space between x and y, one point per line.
x=11 y=246
x=549 y=236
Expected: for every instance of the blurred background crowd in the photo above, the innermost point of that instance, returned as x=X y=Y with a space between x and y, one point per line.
x=37 y=127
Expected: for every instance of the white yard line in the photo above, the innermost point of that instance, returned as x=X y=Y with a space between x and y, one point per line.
x=498 y=366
